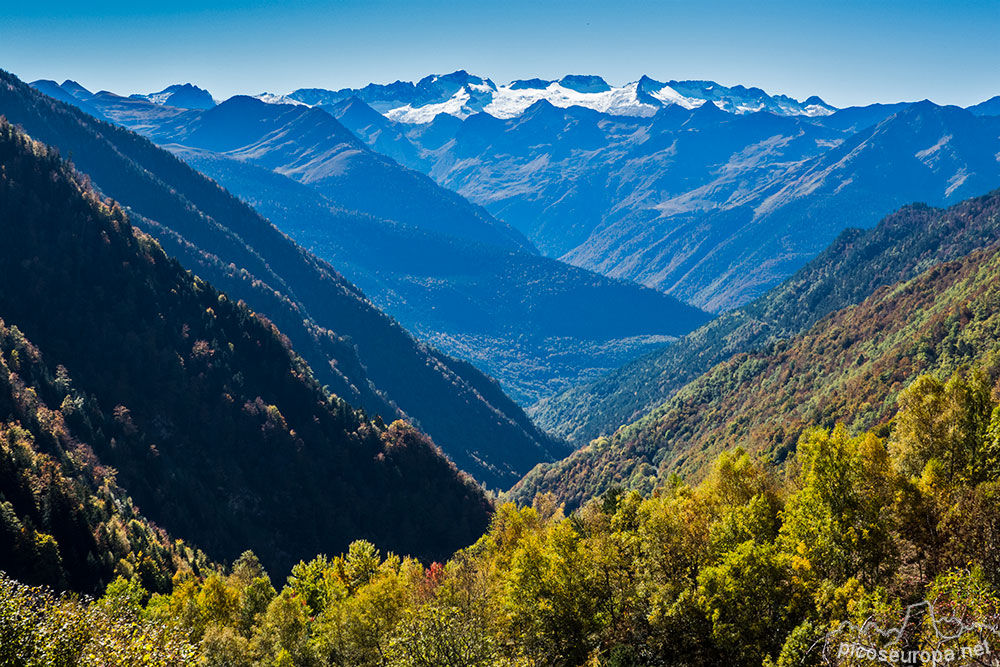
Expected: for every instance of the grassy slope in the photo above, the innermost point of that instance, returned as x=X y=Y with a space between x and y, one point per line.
x=849 y=366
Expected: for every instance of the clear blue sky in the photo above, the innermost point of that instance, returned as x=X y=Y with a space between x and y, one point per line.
x=847 y=52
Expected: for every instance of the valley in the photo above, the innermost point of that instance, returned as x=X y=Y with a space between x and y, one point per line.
x=457 y=373
x=451 y=273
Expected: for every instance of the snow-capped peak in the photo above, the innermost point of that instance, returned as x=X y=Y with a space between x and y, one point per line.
x=462 y=94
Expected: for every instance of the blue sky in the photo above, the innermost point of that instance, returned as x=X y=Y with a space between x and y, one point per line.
x=846 y=52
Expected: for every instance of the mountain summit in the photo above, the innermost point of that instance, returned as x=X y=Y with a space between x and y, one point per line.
x=462 y=94
x=182 y=96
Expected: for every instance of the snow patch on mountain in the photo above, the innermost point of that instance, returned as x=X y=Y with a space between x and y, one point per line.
x=927 y=155
x=272 y=98
x=669 y=96
x=956 y=181
x=453 y=106
x=814 y=110
x=510 y=101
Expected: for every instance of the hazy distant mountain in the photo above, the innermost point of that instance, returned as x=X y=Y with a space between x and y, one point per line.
x=184 y=96
x=378 y=132
x=69 y=92
x=854 y=119
x=709 y=206
x=462 y=94
x=990 y=107
x=446 y=269
x=749 y=242
x=310 y=146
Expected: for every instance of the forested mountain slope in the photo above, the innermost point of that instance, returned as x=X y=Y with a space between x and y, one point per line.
x=64 y=520
x=362 y=355
x=860 y=261
x=536 y=324
x=214 y=425
x=849 y=367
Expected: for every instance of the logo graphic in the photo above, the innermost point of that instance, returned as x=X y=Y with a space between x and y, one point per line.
x=923 y=637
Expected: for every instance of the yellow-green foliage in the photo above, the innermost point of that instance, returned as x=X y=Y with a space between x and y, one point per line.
x=749 y=567
x=38 y=629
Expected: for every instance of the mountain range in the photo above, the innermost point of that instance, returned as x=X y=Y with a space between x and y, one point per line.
x=461 y=94
x=703 y=204
x=207 y=371
x=446 y=269
x=362 y=355
x=698 y=196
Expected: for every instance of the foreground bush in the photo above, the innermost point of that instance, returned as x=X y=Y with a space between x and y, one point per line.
x=38 y=628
